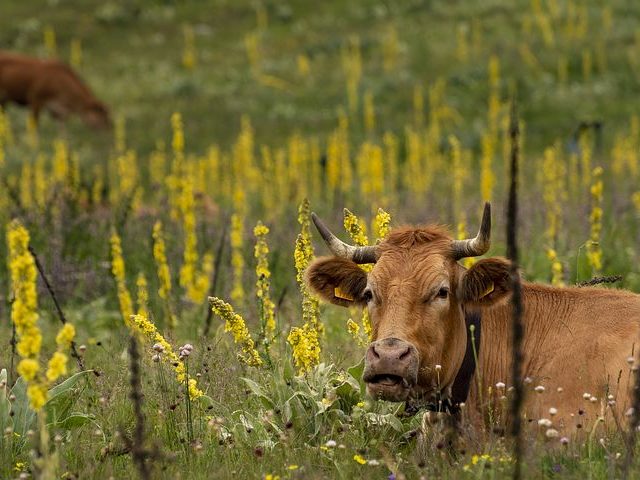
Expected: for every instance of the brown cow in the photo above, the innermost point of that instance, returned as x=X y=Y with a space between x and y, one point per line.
x=50 y=85
x=577 y=341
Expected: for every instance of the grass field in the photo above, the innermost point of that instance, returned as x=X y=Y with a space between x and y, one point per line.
x=228 y=113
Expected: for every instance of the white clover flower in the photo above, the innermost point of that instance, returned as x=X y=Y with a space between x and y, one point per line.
x=564 y=441
x=559 y=389
x=438 y=368
x=156 y=358
x=539 y=389
x=500 y=385
x=158 y=347
x=553 y=411
x=545 y=422
x=330 y=444
x=551 y=433
x=586 y=396
x=593 y=399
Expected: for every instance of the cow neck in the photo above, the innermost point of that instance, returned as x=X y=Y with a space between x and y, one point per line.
x=462 y=382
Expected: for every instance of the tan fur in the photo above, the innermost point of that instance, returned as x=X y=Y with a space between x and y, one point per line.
x=576 y=339
x=49 y=85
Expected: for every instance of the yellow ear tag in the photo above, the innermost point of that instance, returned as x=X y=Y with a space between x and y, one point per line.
x=489 y=289
x=338 y=293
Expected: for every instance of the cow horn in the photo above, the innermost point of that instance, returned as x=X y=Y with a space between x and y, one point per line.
x=474 y=247
x=340 y=249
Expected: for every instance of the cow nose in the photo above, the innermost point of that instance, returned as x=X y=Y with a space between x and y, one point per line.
x=391 y=361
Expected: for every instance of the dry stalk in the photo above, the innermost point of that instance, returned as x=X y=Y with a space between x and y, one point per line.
x=516 y=298
x=138 y=452
x=215 y=276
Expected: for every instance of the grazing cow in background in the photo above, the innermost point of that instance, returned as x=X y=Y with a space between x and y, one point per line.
x=49 y=85
x=422 y=302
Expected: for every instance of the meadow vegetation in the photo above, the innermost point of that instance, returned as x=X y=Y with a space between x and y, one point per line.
x=187 y=227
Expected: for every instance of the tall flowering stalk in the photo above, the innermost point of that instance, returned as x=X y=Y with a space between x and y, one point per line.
x=193 y=280
x=189 y=59
x=487 y=176
x=357 y=231
x=235 y=324
x=144 y=326
x=142 y=294
x=304 y=340
x=237 y=259
x=594 y=251
x=381 y=224
x=263 y=274
x=164 y=274
x=24 y=315
x=119 y=274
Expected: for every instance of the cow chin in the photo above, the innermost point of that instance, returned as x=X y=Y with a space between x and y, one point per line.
x=389 y=389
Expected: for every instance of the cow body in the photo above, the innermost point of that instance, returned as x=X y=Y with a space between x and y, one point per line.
x=576 y=345
x=49 y=85
x=576 y=341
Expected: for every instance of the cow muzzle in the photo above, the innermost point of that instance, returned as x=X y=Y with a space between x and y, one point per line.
x=391 y=369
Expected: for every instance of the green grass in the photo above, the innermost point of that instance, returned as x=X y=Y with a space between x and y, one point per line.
x=132 y=60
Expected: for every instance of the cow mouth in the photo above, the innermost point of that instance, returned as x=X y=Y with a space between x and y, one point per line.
x=393 y=388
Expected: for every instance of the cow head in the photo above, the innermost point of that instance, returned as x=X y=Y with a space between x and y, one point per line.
x=96 y=115
x=417 y=296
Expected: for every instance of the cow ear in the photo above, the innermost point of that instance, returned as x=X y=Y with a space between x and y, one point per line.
x=486 y=282
x=337 y=280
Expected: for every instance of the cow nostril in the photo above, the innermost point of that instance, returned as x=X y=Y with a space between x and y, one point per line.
x=373 y=351
x=404 y=354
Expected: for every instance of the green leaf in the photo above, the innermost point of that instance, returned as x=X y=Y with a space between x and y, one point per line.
x=63 y=396
x=23 y=417
x=74 y=420
x=356 y=373
x=258 y=392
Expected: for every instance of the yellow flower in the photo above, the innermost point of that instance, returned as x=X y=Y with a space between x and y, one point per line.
x=66 y=335
x=355 y=228
x=57 y=366
x=263 y=274
x=118 y=270
x=292 y=467
x=28 y=368
x=237 y=258
x=164 y=275
x=381 y=224
x=37 y=394
x=359 y=459
x=143 y=294
x=306 y=347
x=235 y=324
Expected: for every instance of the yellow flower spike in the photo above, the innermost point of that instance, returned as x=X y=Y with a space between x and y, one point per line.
x=28 y=368
x=263 y=275
x=356 y=228
x=162 y=267
x=37 y=394
x=235 y=324
x=148 y=329
x=118 y=270
x=304 y=340
x=65 y=336
x=594 y=251
x=57 y=366
x=381 y=224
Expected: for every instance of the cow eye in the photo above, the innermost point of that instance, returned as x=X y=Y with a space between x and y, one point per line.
x=367 y=295
x=443 y=292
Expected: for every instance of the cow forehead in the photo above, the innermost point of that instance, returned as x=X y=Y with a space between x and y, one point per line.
x=415 y=269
